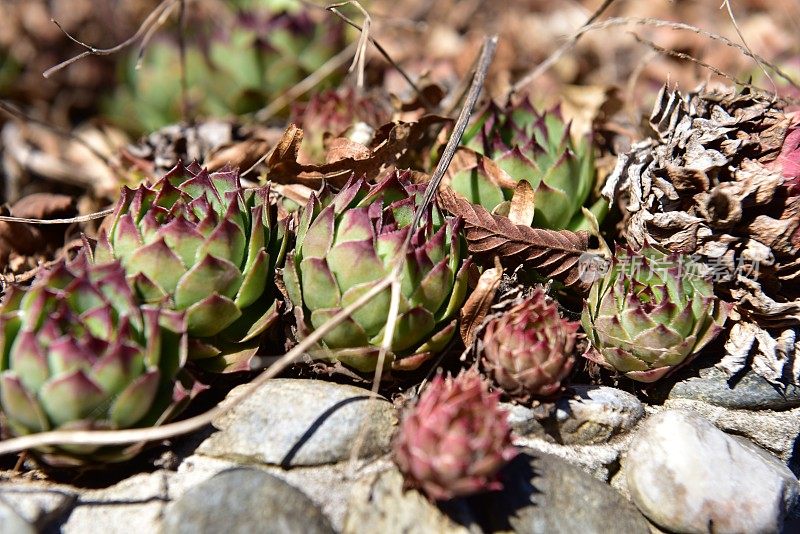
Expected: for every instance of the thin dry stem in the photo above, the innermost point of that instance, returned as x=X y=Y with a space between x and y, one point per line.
x=571 y=42
x=726 y=4
x=78 y=219
x=687 y=57
x=154 y=19
x=360 y=57
x=639 y=21
x=381 y=50
x=478 y=81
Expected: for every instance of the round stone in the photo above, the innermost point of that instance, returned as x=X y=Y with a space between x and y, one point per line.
x=292 y=422
x=241 y=501
x=595 y=414
x=688 y=476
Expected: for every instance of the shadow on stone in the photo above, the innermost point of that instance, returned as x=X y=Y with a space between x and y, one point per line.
x=286 y=463
x=794 y=459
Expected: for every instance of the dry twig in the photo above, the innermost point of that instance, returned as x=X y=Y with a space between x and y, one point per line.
x=639 y=21
x=154 y=20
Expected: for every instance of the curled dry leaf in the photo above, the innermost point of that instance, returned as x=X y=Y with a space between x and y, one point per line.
x=553 y=253
x=391 y=144
x=477 y=305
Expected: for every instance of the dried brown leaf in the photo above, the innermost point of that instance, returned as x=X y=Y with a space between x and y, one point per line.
x=522 y=208
x=476 y=308
x=553 y=253
x=343 y=148
x=391 y=143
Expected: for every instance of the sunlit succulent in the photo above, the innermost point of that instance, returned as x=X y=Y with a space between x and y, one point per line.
x=517 y=143
x=650 y=313
x=528 y=349
x=337 y=113
x=346 y=244
x=455 y=439
x=198 y=242
x=79 y=353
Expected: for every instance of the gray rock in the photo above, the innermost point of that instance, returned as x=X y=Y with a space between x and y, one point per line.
x=595 y=414
x=135 y=504
x=244 y=501
x=380 y=504
x=751 y=392
x=291 y=422
x=775 y=431
x=523 y=420
x=543 y=494
x=11 y=522
x=688 y=476
x=329 y=486
x=600 y=461
x=37 y=505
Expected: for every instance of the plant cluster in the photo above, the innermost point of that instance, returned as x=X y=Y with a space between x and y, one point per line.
x=192 y=271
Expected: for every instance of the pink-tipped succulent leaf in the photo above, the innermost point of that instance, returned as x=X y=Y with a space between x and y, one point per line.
x=455 y=439
x=200 y=243
x=650 y=313
x=79 y=353
x=346 y=244
x=527 y=351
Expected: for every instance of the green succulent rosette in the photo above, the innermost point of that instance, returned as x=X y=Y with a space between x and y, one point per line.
x=79 y=353
x=235 y=64
x=516 y=143
x=346 y=244
x=650 y=313
x=199 y=242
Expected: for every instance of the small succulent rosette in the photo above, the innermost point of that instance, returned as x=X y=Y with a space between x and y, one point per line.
x=455 y=439
x=79 y=353
x=346 y=244
x=199 y=242
x=527 y=350
x=516 y=143
x=650 y=313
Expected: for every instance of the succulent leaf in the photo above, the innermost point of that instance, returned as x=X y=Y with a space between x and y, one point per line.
x=455 y=439
x=650 y=313
x=524 y=144
x=351 y=241
x=78 y=358
x=527 y=351
x=200 y=242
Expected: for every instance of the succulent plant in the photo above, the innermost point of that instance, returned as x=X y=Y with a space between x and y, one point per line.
x=346 y=244
x=522 y=144
x=79 y=353
x=455 y=439
x=527 y=350
x=198 y=242
x=650 y=313
x=260 y=54
x=337 y=113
